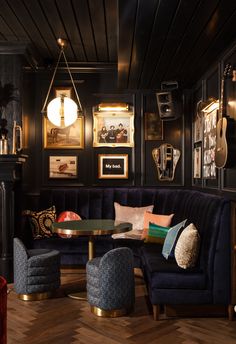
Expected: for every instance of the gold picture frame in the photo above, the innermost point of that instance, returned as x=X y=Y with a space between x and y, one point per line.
x=63 y=167
x=113 y=166
x=65 y=91
x=71 y=137
x=113 y=129
x=153 y=126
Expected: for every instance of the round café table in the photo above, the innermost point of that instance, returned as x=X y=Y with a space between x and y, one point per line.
x=90 y=228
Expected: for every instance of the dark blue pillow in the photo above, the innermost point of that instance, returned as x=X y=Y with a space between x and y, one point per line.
x=171 y=240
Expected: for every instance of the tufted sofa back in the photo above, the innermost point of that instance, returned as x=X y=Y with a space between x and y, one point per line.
x=209 y=213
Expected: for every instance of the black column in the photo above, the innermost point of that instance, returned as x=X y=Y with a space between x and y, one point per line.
x=10 y=180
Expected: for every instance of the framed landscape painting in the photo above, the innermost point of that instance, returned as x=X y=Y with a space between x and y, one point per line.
x=64 y=138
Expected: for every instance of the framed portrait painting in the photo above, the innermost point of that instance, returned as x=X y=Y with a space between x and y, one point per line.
x=113 y=166
x=64 y=138
x=113 y=129
x=63 y=167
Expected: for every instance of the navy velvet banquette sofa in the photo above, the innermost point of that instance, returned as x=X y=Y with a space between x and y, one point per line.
x=208 y=282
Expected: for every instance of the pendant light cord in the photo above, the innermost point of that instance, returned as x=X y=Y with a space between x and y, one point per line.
x=53 y=77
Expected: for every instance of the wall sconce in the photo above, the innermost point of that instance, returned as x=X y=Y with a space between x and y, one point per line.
x=113 y=107
x=62 y=111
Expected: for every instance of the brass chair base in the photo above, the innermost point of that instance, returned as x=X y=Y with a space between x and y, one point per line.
x=113 y=313
x=35 y=296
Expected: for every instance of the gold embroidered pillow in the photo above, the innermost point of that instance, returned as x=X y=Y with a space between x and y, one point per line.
x=40 y=222
x=187 y=247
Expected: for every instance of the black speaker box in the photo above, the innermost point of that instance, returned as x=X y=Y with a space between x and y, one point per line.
x=169 y=105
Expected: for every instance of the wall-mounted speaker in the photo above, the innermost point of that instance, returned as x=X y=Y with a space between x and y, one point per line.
x=169 y=105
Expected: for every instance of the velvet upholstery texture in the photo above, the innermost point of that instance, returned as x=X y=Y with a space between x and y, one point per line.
x=208 y=282
x=3 y=310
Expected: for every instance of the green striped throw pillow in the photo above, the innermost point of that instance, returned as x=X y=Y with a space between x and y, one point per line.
x=156 y=234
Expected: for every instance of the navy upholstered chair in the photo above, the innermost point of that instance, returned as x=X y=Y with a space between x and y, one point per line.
x=36 y=272
x=110 y=283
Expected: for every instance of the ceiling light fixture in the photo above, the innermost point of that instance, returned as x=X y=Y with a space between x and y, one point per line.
x=62 y=111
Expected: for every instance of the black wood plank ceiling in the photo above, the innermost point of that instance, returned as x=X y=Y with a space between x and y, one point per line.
x=149 y=41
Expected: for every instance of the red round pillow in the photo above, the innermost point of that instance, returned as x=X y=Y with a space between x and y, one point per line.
x=67 y=216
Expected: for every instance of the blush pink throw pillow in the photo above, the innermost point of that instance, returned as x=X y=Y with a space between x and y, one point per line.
x=157 y=219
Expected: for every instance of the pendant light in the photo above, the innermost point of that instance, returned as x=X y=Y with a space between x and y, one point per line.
x=62 y=111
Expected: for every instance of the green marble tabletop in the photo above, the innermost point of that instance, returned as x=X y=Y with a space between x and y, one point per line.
x=91 y=227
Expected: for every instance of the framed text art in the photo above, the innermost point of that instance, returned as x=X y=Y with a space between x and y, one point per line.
x=63 y=167
x=153 y=126
x=64 y=138
x=113 y=166
x=113 y=129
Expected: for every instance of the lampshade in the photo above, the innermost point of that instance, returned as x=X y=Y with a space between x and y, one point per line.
x=62 y=111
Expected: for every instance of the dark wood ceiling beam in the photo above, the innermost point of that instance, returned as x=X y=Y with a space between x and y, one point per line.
x=84 y=25
x=36 y=12
x=71 y=28
x=6 y=32
x=99 y=30
x=56 y=25
x=163 y=19
x=142 y=32
x=24 y=18
x=191 y=35
x=112 y=28
x=127 y=16
x=216 y=25
x=183 y=16
x=227 y=36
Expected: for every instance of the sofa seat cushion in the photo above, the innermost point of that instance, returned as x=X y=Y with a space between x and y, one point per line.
x=162 y=273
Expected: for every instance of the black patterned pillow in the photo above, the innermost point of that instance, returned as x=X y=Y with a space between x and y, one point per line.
x=40 y=222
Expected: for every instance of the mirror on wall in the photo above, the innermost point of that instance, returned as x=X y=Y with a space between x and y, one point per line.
x=166 y=158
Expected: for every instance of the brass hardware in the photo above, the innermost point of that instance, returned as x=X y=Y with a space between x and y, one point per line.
x=16 y=144
x=166 y=158
x=113 y=313
x=35 y=296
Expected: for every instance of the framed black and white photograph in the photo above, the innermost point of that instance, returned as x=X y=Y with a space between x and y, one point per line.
x=197 y=167
x=64 y=138
x=113 y=166
x=153 y=126
x=63 y=167
x=113 y=129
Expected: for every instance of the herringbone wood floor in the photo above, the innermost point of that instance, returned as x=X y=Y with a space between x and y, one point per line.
x=62 y=320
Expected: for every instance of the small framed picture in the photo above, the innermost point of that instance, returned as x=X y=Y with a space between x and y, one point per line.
x=153 y=126
x=113 y=129
x=63 y=167
x=197 y=162
x=63 y=91
x=64 y=138
x=113 y=166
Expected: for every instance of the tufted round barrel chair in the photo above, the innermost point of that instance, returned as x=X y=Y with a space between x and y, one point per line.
x=3 y=310
x=110 y=283
x=36 y=272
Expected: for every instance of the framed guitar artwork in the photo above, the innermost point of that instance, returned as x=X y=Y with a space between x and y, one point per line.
x=223 y=128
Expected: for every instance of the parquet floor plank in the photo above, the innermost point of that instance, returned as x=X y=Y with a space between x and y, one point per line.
x=62 y=320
